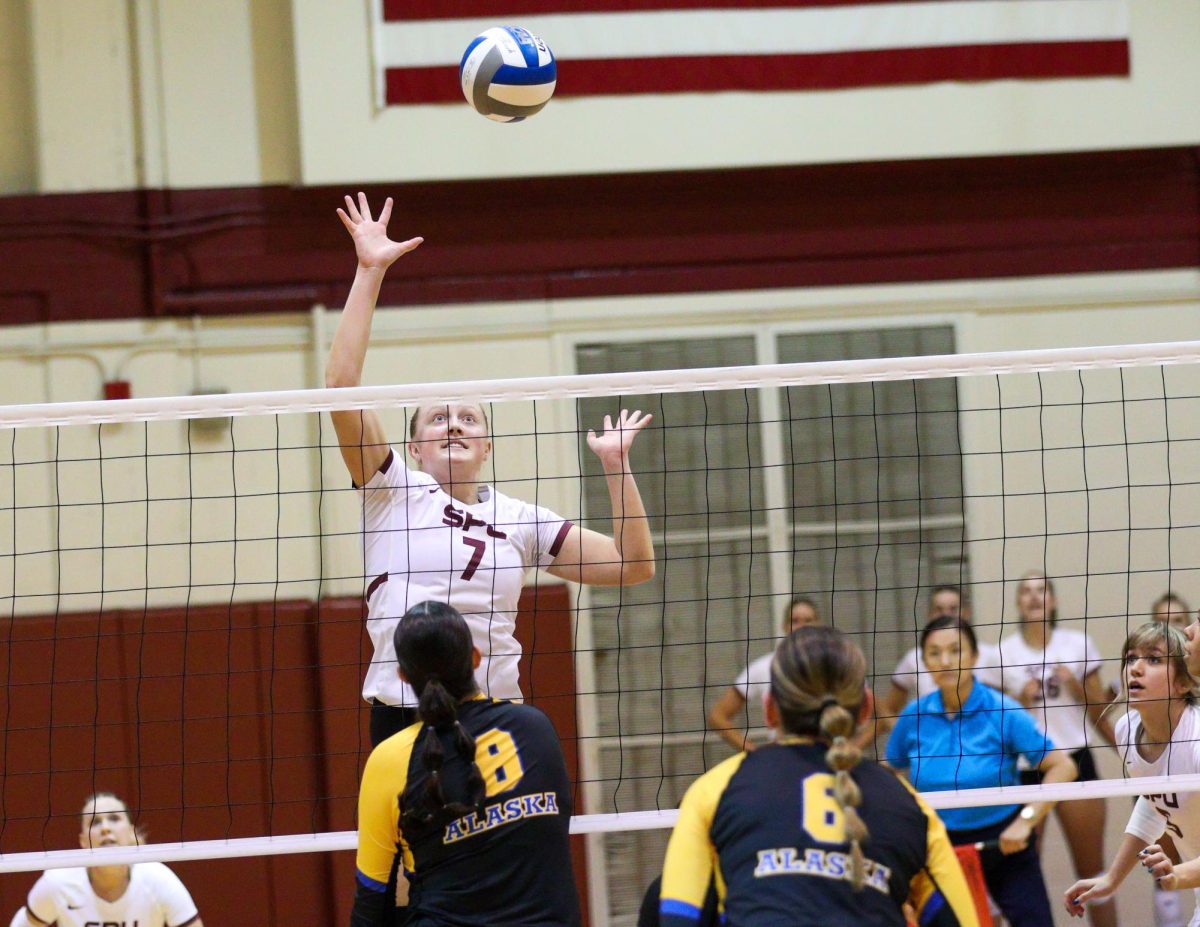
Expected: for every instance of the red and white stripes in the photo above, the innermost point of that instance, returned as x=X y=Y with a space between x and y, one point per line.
x=672 y=46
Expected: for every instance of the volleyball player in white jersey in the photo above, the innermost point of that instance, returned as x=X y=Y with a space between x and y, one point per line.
x=144 y=894
x=754 y=681
x=1158 y=736
x=1055 y=673
x=432 y=532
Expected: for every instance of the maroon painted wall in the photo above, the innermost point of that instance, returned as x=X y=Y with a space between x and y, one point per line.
x=214 y=722
x=245 y=250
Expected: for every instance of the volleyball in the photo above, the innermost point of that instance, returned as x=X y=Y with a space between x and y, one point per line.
x=507 y=73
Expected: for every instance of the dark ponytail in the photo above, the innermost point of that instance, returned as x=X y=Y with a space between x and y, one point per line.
x=433 y=649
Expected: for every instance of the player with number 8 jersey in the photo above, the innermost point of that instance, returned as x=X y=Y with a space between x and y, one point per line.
x=473 y=801
x=433 y=532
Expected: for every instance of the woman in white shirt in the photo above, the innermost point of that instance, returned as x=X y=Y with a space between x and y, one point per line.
x=433 y=533
x=1055 y=673
x=145 y=894
x=754 y=681
x=1158 y=736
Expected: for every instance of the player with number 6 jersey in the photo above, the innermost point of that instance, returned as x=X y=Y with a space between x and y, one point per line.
x=481 y=823
x=804 y=831
x=433 y=532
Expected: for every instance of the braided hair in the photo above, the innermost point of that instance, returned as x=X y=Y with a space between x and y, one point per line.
x=817 y=681
x=433 y=649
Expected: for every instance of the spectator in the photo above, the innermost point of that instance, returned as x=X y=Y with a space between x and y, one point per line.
x=755 y=681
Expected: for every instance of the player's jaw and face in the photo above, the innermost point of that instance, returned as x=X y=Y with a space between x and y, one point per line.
x=1172 y=611
x=802 y=615
x=949 y=657
x=947 y=603
x=1150 y=677
x=1035 y=599
x=450 y=442
x=106 y=823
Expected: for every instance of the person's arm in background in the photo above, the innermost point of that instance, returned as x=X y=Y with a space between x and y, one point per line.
x=723 y=719
x=883 y=719
x=1055 y=766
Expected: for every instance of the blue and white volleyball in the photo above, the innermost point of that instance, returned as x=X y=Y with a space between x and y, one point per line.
x=507 y=73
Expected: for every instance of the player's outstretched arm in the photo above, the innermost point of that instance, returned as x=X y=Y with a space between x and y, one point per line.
x=626 y=558
x=360 y=432
x=1097 y=890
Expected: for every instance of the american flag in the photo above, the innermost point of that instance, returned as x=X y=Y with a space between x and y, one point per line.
x=691 y=46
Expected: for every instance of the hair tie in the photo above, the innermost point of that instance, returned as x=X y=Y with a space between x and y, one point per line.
x=828 y=702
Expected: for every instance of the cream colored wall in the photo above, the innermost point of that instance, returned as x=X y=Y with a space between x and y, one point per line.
x=1096 y=520
x=18 y=173
x=345 y=139
x=117 y=94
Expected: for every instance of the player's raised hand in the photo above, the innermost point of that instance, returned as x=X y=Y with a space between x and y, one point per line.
x=371 y=243
x=1076 y=897
x=612 y=444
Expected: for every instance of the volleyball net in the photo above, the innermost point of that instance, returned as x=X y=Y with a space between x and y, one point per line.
x=182 y=617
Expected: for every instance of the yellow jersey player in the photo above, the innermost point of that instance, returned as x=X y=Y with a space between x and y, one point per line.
x=803 y=832
x=473 y=801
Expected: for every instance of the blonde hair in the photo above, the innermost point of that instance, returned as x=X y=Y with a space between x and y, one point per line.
x=1172 y=641
x=817 y=680
x=1052 y=615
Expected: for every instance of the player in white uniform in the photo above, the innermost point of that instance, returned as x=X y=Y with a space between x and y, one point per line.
x=1055 y=673
x=1159 y=736
x=145 y=894
x=911 y=679
x=754 y=681
x=432 y=532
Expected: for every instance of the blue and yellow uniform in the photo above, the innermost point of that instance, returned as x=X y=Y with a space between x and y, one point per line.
x=509 y=864
x=766 y=826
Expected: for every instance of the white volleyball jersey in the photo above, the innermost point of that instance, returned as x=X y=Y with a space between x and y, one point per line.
x=754 y=682
x=155 y=898
x=420 y=544
x=1057 y=712
x=912 y=675
x=1173 y=813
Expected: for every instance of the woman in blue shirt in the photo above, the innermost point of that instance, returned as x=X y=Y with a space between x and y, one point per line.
x=967 y=735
